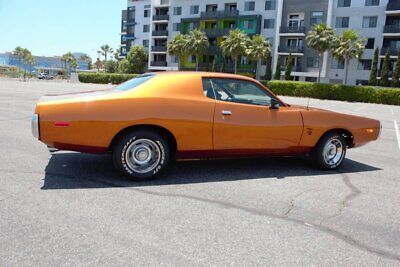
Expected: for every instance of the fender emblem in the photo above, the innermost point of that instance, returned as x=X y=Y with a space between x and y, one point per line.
x=309 y=131
x=61 y=124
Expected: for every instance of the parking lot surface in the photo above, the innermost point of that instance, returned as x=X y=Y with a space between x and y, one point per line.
x=73 y=209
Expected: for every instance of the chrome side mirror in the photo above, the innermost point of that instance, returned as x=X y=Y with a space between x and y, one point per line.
x=275 y=104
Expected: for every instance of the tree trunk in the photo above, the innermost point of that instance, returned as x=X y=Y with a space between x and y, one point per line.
x=320 y=66
x=235 y=64
x=346 y=73
x=197 y=63
x=179 y=63
x=257 y=66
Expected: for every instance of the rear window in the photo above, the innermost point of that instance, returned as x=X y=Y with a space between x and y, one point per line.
x=128 y=85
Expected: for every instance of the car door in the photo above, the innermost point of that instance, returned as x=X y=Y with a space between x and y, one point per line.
x=243 y=119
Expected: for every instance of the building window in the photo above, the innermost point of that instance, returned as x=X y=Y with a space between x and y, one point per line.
x=194 y=10
x=145 y=43
x=175 y=59
x=193 y=26
x=147 y=6
x=313 y=62
x=342 y=22
x=371 y=2
x=295 y=21
x=270 y=5
x=146 y=13
x=337 y=64
x=370 y=43
x=177 y=10
x=249 y=6
x=146 y=28
x=370 y=22
x=269 y=23
x=343 y=3
x=364 y=64
x=248 y=24
x=317 y=17
x=176 y=27
x=192 y=59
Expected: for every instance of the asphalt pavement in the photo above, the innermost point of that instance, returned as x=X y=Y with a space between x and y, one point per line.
x=73 y=209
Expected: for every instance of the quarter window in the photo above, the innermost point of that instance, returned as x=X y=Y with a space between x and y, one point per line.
x=237 y=91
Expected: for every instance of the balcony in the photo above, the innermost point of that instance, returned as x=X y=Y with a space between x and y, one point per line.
x=291 y=30
x=216 y=32
x=392 y=50
x=127 y=36
x=291 y=49
x=159 y=48
x=160 y=33
x=212 y=50
x=160 y=17
x=393 y=5
x=158 y=64
x=129 y=22
x=296 y=68
x=391 y=30
x=219 y=14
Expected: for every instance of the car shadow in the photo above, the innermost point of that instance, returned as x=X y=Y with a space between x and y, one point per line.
x=77 y=170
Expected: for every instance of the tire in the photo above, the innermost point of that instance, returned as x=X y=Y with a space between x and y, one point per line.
x=141 y=155
x=329 y=152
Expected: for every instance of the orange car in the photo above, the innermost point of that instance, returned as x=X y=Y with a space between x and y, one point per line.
x=150 y=120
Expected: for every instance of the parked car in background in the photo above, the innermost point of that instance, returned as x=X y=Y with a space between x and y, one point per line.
x=44 y=76
x=148 y=121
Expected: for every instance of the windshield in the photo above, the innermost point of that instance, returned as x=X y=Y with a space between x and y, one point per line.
x=128 y=85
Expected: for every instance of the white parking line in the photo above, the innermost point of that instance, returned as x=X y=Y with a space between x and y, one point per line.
x=391 y=110
x=396 y=127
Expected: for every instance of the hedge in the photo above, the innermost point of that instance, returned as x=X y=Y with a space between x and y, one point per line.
x=105 y=78
x=367 y=94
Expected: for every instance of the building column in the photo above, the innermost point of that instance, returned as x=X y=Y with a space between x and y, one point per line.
x=279 y=11
x=329 y=22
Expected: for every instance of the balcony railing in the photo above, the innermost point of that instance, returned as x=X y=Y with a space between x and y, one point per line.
x=159 y=48
x=391 y=29
x=290 y=49
x=219 y=14
x=160 y=33
x=296 y=68
x=158 y=63
x=211 y=50
x=293 y=29
x=216 y=32
x=393 y=5
x=160 y=17
x=127 y=36
x=130 y=22
x=392 y=50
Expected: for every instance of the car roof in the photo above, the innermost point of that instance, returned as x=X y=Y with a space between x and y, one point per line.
x=201 y=74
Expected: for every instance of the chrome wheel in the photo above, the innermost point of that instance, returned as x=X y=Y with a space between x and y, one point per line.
x=143 y=155
x=333 y=152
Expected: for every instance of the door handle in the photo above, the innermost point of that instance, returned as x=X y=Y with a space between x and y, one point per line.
x=226 y=112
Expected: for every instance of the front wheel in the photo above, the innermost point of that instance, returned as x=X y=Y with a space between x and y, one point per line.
x=141 y=155
x=329 y=152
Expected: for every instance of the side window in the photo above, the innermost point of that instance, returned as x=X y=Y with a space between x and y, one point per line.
x=240 y=91
x=208 y=88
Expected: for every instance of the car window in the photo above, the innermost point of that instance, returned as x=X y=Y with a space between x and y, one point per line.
x=208 y=88
x=128 y=85
x=240 y=91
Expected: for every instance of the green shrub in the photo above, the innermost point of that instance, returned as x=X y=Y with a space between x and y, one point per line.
x=367 y=94
x=105 y=78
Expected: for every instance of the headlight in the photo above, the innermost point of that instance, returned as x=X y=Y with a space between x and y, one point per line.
x=35 y=125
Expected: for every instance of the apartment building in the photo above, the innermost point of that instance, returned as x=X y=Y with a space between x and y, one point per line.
x=153 y=23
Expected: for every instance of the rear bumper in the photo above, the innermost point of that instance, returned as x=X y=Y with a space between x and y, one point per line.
x=35 y=126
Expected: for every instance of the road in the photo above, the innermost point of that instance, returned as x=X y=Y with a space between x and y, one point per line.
x=73 y=209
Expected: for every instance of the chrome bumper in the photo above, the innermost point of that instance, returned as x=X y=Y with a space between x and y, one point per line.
x=35 y=126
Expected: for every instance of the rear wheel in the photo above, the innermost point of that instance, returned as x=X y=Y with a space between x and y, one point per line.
x=141 y=155
x=329 y=152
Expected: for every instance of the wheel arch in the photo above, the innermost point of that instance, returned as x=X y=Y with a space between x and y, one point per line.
x=348 y=136
x=170 y=138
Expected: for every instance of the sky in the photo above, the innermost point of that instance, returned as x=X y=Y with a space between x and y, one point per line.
x=53 y=28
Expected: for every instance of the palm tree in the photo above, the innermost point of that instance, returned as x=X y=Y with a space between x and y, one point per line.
x=346 y=47
x=196 y=44
x=235 y=45
x=259 y=48
x=30 y=60
x=86 y=58
x=67 y=58
x=177 y=47
x=320 y=39
x=20 y=53
x=105 y=50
